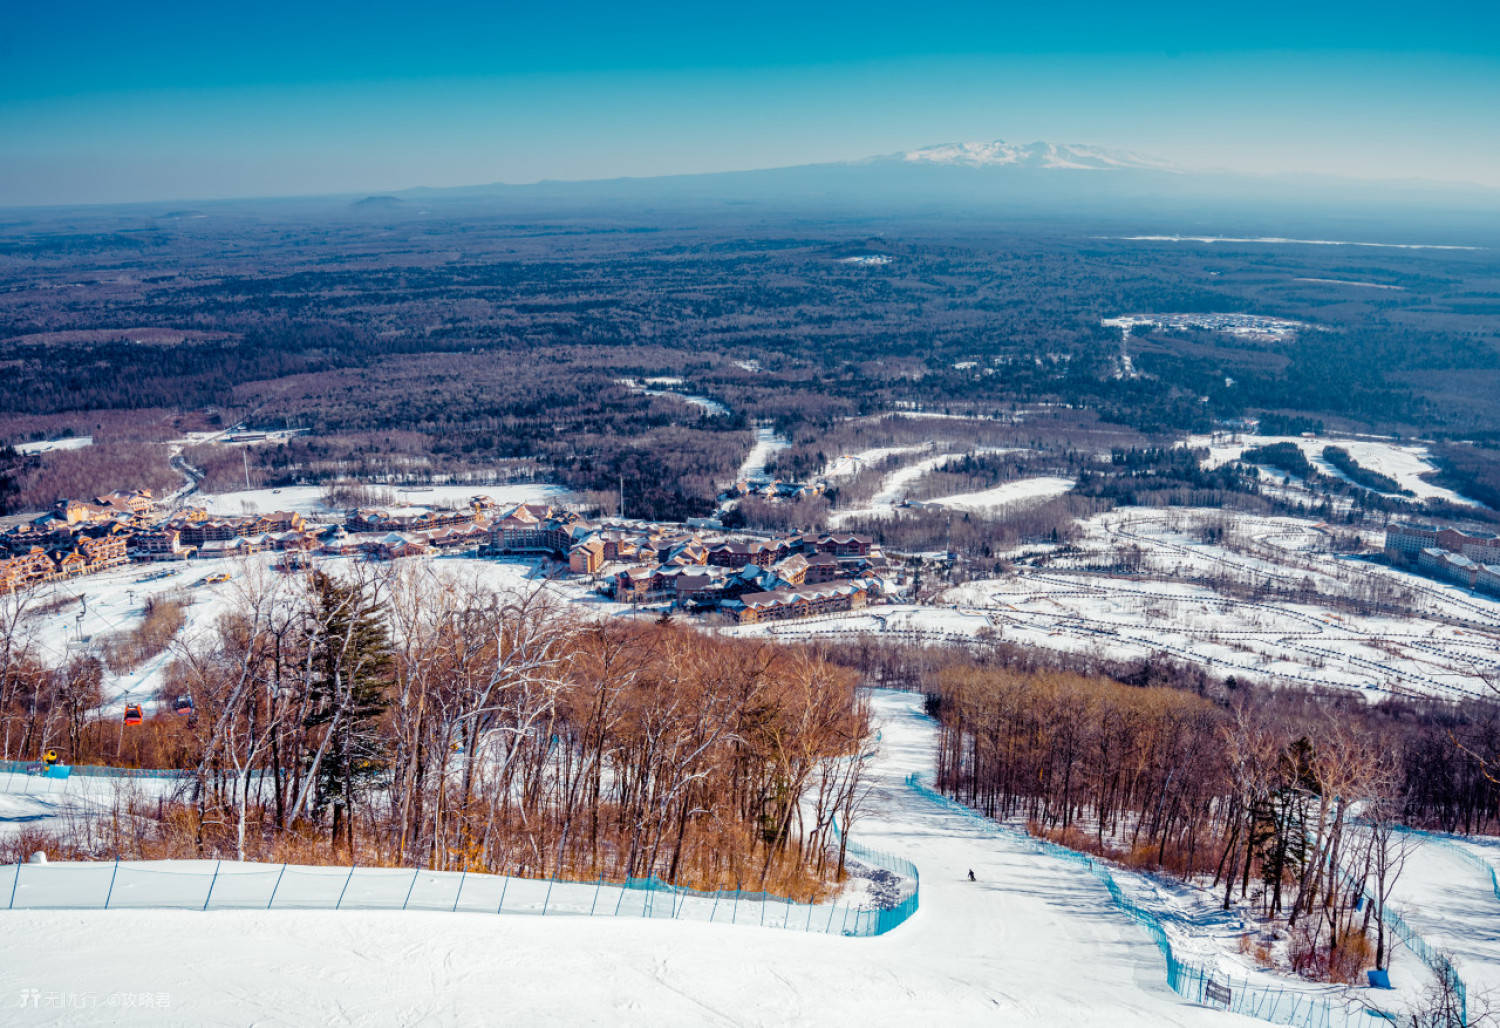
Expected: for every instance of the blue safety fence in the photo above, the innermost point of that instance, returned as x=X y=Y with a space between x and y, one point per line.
x=909 y=886
x=1452 y=845
x=32 y=767
x=231 y=885
x=1195 y=982
x=1437 y=962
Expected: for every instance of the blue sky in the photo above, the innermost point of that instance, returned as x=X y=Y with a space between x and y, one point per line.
x=164 y=100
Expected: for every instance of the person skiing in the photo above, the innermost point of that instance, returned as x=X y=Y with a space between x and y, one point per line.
x=971 y=874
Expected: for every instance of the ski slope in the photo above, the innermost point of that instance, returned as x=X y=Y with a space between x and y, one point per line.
x=1451 y=902
x=1030 y=943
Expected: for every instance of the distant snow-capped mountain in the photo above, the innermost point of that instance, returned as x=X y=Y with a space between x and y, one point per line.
x=999 y=153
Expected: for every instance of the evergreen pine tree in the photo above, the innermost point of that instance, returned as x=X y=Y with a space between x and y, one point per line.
x=350 y=692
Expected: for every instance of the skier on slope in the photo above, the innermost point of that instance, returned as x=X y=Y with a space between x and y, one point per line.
x=971 y=874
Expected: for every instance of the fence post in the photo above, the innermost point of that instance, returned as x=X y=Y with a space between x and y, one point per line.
x=503 y=886
x=711 y=913
x=13 y=884
x=828 y=928
x=555 y=872
x=111 y=891
x=598 y=884
x=275 y=887
x=409 y=888
x=458 y=895
x=762 y=905
x=345 y=889
x=734 y=915
x=211 y=883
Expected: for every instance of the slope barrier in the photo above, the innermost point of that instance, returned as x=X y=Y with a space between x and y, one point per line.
x=1194 y=982
x=1469 y=856
x=229 y=885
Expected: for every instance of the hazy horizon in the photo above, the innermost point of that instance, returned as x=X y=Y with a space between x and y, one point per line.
x=102 y=104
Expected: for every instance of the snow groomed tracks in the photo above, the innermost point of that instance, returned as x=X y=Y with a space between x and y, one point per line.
x=1193 y=982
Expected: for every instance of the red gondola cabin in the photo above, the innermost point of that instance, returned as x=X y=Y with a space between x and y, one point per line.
x=133 y=715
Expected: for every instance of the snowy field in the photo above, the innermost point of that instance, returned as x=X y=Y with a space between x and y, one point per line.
x=76 y=442
x=767 y=445
x=1025 y=490
x=1450 y=901
x=849 y=464
x=308 y=499
x=896 y=483
x=1407 y=463
x=1031 y=943
x=1194 y=601
x=114 y=602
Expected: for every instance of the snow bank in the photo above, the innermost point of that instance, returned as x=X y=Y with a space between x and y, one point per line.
x=1029 y=943
x=1025 y=490
x=1405 y=462
x=77 y=442
x=308 y=499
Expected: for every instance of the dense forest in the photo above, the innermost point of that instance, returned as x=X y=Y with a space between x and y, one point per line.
x=405 y=719
x=1256 y=794
x=472 y=345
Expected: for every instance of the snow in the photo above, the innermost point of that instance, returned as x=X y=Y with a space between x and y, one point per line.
x=892 y=489
x=1404 y=462
x=894 y=486
x=308 y=499
x=1032 y=942
x=999 y=153
x=1444 y=645
x=1283 y=240
x=115 y=602
x=51 y=804
x=1449 y=900
x=709 y=406
x=767 y=445
x=1024 y=490
x=703 y=403
x=850 y=463
x=1351 y=282
x=76 y=442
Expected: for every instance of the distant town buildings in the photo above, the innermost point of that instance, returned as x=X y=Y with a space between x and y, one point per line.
x=697 y=566
x=1471 y=559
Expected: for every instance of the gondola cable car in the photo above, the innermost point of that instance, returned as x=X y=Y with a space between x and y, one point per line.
x=184 y=705
x=133 y=714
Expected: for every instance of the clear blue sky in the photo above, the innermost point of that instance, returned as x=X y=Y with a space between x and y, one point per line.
x=161 y=100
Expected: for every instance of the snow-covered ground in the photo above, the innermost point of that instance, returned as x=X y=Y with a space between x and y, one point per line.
x=663 y=386
x=1187 y=600
x=60 y=804
x=1350 y=282
x=767 y=445
x=892 y=489
x=114 y=602
x=1281 y=240
x=1024 y=490
x=1450 y=901
x=1404 y=462
x=76 y=442
x=850 y=463
x=308 y=499
x=1031 y=942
